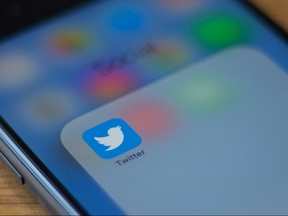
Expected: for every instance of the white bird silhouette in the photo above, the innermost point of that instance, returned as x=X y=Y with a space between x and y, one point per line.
x=113 y=140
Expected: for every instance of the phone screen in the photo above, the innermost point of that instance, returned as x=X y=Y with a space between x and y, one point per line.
x=154 y=107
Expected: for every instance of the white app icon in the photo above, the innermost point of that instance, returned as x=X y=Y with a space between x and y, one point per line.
x=17 y=69
x=113 y=140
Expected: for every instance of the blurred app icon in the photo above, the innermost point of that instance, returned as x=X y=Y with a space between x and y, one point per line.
x=218 y=31
x=49 y=107
x=17 y=69
x=205 y=94
x=69 y=41
x=168 y=55
x=104 y=87
x=127 y=20
x=152 y=118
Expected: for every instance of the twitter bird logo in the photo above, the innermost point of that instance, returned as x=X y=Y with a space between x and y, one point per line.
x=111 y=138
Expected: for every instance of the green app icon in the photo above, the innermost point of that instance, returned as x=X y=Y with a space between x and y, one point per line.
x=218 y=31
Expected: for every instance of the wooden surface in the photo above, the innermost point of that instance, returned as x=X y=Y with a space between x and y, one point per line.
x=16 y=200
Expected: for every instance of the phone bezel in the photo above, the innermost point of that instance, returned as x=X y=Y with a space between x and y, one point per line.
x=31 y=13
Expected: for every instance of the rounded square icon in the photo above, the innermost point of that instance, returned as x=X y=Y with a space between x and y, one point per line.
x=112 y=138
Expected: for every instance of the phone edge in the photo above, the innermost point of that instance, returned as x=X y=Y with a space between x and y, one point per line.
x=44 y=191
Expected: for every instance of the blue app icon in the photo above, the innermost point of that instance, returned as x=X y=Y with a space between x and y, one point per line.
x=112 y=138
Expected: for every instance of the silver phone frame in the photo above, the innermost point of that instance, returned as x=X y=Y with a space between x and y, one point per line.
x=43 y=189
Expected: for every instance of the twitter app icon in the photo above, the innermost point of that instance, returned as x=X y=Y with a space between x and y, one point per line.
x=112 y=138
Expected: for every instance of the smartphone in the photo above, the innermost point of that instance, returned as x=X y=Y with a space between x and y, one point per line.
x=147 y=107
